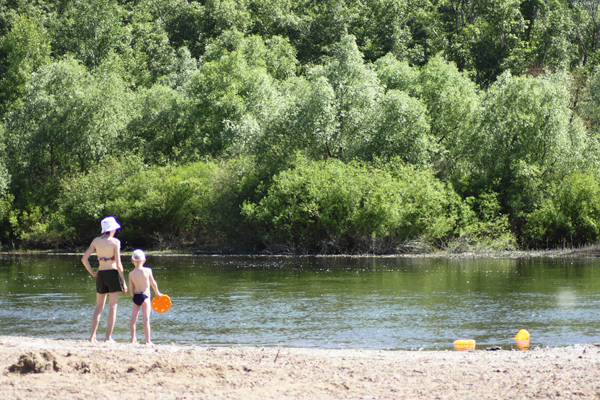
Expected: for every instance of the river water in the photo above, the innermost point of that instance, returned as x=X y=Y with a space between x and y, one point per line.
x=318 y=302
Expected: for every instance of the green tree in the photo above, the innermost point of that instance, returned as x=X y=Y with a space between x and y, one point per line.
x=528 y=138
x=324 y=24
x=428 y=28
x=224 y=15
x=357 y=91
x=396 y=75
x=6 y=197
x=340 y=110
x=275 y=54
x=277 y=17
x=182 y=70
x=462 y=14
x=330 y=113
x=496 y=40
x=157 y=130
x=305 y=122
x=90 y=30
x=68 y=120
x=150 y=54
x=570 y=215
x=40 y=11
x=182 y=20
x=552 y=38
x=586 y=16
x=401 y=130
x=27 y=49
x=454 y=106
x=591 y=105
x=280 y=57
x=230 y=97
x=381 y=27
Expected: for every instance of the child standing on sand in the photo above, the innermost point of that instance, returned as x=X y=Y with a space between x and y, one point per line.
x=140 y=280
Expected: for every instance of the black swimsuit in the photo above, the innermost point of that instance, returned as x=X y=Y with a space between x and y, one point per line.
x=139 y=298
x=108 y=281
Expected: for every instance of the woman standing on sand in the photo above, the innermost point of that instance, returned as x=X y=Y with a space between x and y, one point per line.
x=108 y=250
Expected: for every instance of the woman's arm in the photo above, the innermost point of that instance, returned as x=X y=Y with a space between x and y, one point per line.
x=85 y=259
x=119 y=264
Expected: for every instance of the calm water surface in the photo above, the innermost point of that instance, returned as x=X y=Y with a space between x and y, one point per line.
x=385 y=303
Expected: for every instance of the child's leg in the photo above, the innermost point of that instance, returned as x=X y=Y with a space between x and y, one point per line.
x=135 y=310
x=100 y=300
x=113 y=300
x=146 y=318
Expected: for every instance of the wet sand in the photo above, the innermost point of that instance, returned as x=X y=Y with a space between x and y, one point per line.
x=34 y=368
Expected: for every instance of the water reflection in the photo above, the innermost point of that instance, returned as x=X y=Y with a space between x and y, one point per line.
x=340 y=302
x=566 y=298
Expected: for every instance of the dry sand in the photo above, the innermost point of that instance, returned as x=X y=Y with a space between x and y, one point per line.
x=34 y=368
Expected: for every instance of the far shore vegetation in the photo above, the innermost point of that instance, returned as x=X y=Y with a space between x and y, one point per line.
x=331 y=127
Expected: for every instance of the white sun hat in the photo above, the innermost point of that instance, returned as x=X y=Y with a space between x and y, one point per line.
x=109 y=224
x=138 y=255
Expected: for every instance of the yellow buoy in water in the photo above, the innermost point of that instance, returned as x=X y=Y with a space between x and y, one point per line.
x=523 y=334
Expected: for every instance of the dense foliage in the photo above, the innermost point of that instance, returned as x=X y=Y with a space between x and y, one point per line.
x=331 y=126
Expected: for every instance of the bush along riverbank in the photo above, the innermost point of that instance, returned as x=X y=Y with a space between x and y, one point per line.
x=311 y=207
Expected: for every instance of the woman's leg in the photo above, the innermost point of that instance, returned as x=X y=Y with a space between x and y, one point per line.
x=100 y=299
x=113 y=299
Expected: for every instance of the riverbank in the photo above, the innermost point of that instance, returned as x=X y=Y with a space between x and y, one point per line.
x=68 y=369
x=588 y=251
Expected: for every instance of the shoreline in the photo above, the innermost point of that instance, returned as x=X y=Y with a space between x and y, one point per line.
x=590 y=251
x=72 y=369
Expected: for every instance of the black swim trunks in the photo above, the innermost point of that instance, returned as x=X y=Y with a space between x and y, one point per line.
x=139 y=298
x=108 y=281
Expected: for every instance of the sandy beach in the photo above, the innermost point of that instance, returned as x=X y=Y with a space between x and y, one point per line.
x=34 y=368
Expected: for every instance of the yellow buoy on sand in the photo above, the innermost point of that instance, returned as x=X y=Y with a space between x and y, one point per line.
x=522 y=338
x=464 y=344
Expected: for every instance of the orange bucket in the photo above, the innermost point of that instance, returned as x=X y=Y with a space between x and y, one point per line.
x=464 y=344
x=161 y=304
x=523 y=334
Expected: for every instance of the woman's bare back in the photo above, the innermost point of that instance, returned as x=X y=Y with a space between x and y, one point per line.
x=106 y=250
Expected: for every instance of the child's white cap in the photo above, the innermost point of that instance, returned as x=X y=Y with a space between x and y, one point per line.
x=109 y=224
x=138 y=255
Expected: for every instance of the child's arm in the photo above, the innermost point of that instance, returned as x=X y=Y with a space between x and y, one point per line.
x=130 y=284
x=154 y=285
